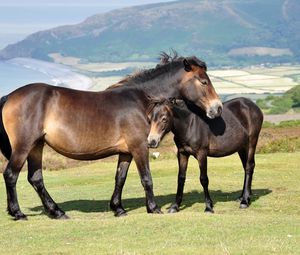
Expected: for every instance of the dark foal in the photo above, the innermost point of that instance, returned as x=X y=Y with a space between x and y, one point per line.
x=92 y=125
x=237 y=130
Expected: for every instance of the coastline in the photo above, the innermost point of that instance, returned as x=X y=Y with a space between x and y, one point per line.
x=18 y=72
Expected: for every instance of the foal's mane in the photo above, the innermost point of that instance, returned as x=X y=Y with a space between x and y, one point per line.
x=169 y=63
x=153 y=102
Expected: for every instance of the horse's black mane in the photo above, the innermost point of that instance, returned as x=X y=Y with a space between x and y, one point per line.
x=166 y=58
x=169 y=63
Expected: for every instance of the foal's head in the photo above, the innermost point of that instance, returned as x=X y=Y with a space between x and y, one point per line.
x=160 y=116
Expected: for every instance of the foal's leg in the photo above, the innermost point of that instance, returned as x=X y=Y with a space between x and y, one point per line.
x=121 y=174
x=35 y=178
x=202 y=159
x=182 y=163
x=11 y=175
x=247 y=158
x=141 y=158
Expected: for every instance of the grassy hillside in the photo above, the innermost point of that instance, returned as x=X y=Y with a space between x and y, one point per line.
x=269 y=226
x=223 y=32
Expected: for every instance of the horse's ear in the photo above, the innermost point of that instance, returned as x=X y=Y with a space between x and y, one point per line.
x=187 y=65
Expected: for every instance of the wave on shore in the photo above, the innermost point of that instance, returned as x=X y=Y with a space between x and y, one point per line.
x=59 y=75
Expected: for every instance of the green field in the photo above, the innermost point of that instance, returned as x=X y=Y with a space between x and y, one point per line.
x=270 y=226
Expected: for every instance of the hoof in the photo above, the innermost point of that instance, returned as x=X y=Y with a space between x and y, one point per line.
x=58 y=215
x=243 y=206
x=123 y=214
x=63 y=217
x=173 y=209
x=20 y=216
x=120 y=213
x=209 y=210
x=156 y=210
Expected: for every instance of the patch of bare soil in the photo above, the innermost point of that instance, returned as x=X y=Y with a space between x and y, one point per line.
x=277 y=118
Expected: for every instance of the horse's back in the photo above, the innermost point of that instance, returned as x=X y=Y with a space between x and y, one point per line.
x=77 y=124
x=248 y=113
x=240 y=121
x=22 y=103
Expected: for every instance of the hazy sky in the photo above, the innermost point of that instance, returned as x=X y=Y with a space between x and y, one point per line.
x=19 y=18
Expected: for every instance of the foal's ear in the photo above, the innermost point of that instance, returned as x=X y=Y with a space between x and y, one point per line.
x=149 y=111
x=187 y=65
x=172 y=100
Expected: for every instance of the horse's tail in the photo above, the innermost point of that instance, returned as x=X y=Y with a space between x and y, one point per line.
x=4 y=141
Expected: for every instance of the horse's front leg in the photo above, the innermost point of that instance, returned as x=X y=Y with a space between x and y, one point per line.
x=182 y=163
x=141 y=157
x=202 y=160
x=121 y=174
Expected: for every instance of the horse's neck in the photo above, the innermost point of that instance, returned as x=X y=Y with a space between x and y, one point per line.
x=132 y=94
x=162 y=87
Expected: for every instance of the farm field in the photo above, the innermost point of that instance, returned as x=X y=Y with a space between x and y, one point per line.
x=258 y=80
x=234 y=81
x=250 y=80
x=270 y=226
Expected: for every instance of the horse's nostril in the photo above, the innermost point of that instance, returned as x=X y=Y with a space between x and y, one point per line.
x=153 y=143
x=219 y=110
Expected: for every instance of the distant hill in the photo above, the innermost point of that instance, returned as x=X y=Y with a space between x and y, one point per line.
x=222 y=32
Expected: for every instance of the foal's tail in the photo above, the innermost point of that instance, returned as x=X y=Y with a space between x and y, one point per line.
x=4 y=141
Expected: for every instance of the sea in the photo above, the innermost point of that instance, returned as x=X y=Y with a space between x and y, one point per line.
x=18 y=72
x=13 y=76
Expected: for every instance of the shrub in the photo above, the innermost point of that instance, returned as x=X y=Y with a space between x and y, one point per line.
x=281 y=105
x=286 y=144
x=262 y=103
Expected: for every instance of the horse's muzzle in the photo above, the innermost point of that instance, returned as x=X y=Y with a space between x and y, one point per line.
x=153 y=141
x=215 y=110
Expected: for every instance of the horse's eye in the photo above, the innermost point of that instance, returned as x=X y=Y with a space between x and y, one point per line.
x=164 y=119
x=204 y=82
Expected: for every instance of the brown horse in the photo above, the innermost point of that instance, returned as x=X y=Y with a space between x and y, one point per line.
x=236 y=130
x=93 y=125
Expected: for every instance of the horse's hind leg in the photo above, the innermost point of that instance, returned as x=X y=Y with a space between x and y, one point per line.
x=182 y=163
x=121 y=174
x=35 y=178
x=11 y=175
x=247 y=158
x=202 y=159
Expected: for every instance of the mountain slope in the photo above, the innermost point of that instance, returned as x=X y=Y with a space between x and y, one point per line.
x=219 y=31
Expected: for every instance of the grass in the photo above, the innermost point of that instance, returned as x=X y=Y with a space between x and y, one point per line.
x=270 y=226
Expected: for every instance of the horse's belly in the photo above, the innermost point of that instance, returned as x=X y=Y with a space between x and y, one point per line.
x=228 y=144
x=86 y=145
